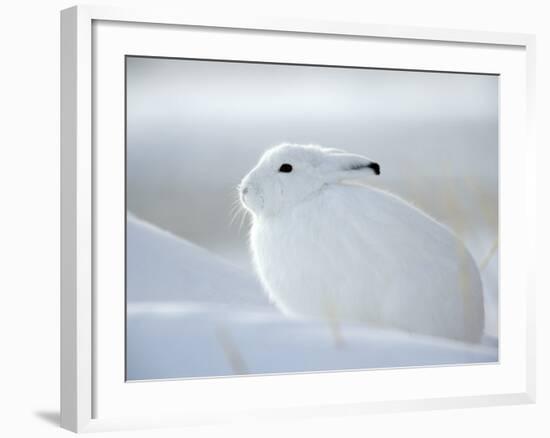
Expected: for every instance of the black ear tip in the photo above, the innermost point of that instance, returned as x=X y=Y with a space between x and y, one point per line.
x=375 y=167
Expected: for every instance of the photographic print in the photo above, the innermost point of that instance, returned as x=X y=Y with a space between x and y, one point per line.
x=285 y=218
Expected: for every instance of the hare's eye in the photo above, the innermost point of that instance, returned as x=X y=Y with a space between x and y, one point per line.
x=285 y=168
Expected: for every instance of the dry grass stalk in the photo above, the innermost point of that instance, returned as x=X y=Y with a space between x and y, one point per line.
x=331 y=313
x=231 y=351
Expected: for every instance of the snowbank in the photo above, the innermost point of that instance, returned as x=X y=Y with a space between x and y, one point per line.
x=191 y=314
x=162 y=267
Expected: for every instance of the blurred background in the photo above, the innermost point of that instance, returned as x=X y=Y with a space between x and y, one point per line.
x=195 y=128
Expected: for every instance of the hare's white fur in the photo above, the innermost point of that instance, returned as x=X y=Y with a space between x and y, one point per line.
x=324 y=248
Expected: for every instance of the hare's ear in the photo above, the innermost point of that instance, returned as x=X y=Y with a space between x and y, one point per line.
x=339 y=166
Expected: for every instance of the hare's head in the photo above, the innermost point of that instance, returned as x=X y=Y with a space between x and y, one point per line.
x=289 y=174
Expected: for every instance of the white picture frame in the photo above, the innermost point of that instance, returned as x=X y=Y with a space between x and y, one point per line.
x=93 y=396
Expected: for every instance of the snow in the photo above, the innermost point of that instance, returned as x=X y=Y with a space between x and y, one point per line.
x=191 y=314
x=162 y=267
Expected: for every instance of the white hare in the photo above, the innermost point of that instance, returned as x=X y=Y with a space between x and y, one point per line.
x=325 y=248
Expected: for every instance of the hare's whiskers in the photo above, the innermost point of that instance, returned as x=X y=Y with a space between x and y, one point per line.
x=234 y=212
x=243 y=219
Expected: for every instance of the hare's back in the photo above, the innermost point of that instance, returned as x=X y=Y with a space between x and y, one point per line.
x=424 y=274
